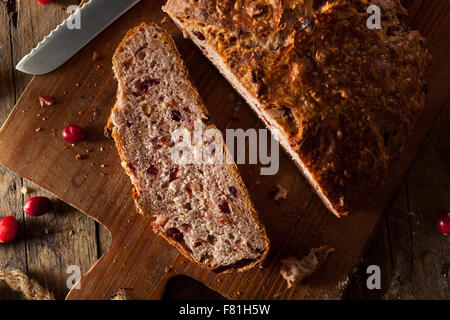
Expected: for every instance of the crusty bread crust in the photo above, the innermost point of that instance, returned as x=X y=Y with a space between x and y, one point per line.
x=232 y=170
x=343 y=98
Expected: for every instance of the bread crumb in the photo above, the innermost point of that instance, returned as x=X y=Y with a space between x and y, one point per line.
x=46 y=230
x=24 y=190
x=38 y=129
x=78 y=157
x=71 y=232
x=294 y=270
x=102 y=166
x=279 y=192
x=276 y=295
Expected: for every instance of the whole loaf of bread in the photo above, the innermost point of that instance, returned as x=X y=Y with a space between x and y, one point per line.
x=343 y=97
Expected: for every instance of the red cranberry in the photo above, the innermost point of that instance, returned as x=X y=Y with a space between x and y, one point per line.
x=188 y=189
x=108 y=133
x=37 y=206
x=159 y=141
x=46 y=100
x=175 y=234
x=207 y=121
x=223 y=206
x=144 y=85
x=197 y=244
x=45 y=1
x=233 y=191
x=199 y=35
x=8 y=229
x=443 y=222
x=73 y=134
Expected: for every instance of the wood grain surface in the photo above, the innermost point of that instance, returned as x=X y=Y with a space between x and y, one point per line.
x=44 y=248
x=137 y=259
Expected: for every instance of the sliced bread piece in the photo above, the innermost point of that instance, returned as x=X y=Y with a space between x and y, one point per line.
x=343 y=98
x=202 y=209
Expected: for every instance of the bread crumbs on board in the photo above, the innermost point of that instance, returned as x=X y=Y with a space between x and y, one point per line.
x=95 y=56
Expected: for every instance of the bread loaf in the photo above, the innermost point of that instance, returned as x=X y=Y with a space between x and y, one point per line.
x=344 y=98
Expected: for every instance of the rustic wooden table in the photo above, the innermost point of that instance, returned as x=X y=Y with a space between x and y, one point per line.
x=414 y=258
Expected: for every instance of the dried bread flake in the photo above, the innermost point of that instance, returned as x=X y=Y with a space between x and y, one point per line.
x=294 y=270
x=280 y=193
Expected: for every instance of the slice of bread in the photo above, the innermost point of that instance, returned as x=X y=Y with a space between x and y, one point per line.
x=202 y=209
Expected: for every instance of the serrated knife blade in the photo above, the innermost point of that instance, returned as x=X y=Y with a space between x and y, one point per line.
x=64 y=41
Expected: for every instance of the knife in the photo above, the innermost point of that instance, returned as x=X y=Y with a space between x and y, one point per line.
x=63 y=42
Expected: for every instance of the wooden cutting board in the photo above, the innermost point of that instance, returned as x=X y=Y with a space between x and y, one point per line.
x=140 y=262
